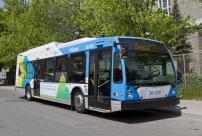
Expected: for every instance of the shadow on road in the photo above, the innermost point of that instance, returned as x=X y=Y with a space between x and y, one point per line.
x=128 y=117
x=131 y=117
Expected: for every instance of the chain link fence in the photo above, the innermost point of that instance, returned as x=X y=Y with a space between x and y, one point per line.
x=189 y=67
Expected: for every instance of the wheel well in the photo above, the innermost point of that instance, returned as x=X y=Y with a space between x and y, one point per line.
x=26 y=86
x=74 y=90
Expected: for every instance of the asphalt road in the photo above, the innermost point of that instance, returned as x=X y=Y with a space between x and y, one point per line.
x=19 y=117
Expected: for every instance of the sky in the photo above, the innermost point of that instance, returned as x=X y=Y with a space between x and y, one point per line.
x=1 y=3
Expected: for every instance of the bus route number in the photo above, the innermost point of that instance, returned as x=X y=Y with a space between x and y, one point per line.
x=155 y=92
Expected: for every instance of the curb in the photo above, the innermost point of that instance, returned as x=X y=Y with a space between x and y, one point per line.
x=7 y=87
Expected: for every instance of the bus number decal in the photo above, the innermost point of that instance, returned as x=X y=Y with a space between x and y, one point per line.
x=155 y=92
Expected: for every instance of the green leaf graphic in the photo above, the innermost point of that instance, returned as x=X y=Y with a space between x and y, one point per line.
x=63 y=92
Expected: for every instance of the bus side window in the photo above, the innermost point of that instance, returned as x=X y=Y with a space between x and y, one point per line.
x=49 y=70
x=61 y=69
x=117 y=68
x=39 y=66
x=77 y=68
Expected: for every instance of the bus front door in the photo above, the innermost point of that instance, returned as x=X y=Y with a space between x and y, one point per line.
x=100 y=79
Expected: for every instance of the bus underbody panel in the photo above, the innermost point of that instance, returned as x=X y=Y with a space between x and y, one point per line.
x=149 y=104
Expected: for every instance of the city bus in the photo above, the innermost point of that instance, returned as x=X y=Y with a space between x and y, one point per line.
x=106 y=74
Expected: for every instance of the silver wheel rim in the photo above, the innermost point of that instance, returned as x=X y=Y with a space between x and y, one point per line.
x=28 y=95
x=79 y=101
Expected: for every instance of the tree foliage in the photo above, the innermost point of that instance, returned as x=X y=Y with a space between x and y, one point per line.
x=183 y=46
x=127 y=17
x=32 y=24
x=24 y=25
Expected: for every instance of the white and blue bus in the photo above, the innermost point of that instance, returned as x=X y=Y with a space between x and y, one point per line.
x=102 y=74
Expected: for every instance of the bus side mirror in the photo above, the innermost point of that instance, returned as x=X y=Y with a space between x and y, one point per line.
x=124 y=52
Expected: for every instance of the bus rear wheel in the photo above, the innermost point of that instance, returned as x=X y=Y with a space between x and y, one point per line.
x=28 y=94
x=79 y=103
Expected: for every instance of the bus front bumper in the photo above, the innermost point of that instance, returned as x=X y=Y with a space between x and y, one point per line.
x=149 y=104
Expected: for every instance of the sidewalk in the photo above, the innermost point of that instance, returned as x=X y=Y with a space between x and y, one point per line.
x=191 y=107
x=7 y=87
x=186 y=107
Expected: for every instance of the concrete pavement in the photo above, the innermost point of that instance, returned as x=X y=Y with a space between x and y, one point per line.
x=186 y=106
x=19 y=117
x=7 y=88
x=191 y=107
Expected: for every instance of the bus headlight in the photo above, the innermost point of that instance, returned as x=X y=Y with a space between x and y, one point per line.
x=173 y=92
x=130 y=95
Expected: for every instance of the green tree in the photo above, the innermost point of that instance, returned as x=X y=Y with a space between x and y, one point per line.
x=54 y=17
x=2 y=26
x=127 y=17
x=183 y=46
x=176 y=12
x=9 y=36
x=34 y=24
x=27 y=25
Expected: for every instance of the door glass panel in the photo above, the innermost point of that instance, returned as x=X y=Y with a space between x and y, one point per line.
x=92 y=74
x=104 y=75
x=100 y=79
x=117 y=68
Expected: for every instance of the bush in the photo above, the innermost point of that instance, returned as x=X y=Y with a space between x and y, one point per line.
x=193 y=90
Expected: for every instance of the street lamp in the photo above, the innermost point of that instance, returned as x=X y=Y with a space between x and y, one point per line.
x=77 y=32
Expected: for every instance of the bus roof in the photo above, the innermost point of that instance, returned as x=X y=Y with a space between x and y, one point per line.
x=75 y=42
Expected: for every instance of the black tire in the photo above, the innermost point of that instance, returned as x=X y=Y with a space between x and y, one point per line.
x=28 y=93
x=79 y=102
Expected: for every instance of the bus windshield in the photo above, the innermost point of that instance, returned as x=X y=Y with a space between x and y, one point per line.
x=148 y=63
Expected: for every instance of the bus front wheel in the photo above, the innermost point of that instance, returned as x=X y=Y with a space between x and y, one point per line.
x=79 y=102
x=28 y=93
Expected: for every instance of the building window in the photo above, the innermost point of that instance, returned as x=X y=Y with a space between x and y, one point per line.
x=165 y=6
x=49 y=71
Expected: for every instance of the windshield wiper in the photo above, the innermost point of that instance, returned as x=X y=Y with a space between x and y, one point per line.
x=141 y=84
x=147 y=78
x=154 y=83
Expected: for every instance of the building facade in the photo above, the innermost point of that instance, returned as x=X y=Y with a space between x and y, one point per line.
x=192 y=9
x=188 y=8
x=3 y=76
